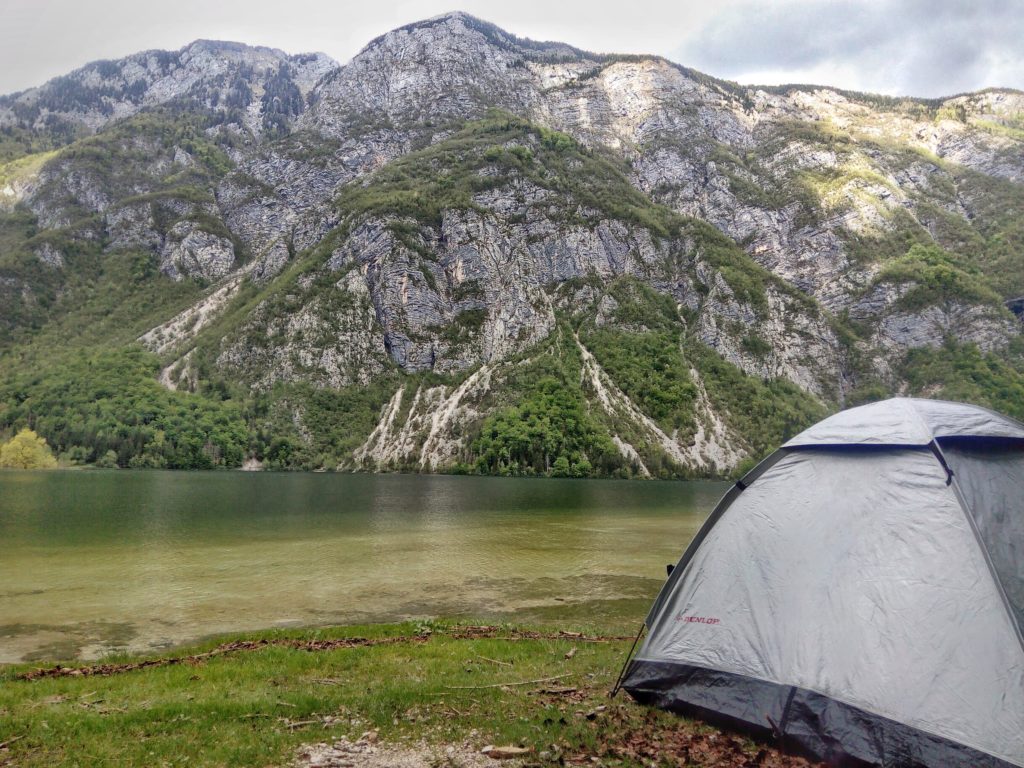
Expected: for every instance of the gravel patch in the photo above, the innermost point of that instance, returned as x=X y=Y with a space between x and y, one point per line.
x=367 y=752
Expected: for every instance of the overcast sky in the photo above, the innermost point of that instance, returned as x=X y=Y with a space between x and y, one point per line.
x=916 y=47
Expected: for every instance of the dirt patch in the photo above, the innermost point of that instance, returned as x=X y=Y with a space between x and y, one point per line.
x=367 y=753
x=646 y=745
x=622 y=737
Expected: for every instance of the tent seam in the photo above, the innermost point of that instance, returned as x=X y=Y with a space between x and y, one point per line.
x=927 y=428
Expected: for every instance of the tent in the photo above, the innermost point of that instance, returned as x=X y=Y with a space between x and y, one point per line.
x=859 y=595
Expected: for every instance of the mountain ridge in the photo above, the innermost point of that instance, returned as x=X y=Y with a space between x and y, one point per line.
x=367 y=261
x=526 y=43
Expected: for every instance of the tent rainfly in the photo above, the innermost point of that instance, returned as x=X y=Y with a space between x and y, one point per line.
x=859 y=595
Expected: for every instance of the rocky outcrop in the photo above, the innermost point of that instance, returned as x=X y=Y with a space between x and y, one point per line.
x=440 y=71
x=190 y=251
x=334 y=340
x=424 y=429
x=713 y=449
x=50 y=256
x=785 y=340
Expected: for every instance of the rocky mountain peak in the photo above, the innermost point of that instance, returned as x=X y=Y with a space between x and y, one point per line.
x=443 y=69
x=461 y=24
x=230 y=47
x=208 y=74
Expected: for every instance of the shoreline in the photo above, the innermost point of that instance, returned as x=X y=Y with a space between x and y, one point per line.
x=242 y=470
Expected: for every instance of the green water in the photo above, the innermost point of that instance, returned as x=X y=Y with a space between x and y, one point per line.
x=94 y=562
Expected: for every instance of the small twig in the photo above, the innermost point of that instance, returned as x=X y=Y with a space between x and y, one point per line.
x=503 y=685
x=495 y=661
x=6 y=744
x=293 y=724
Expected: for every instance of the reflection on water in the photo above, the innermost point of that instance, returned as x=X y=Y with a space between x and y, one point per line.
x=96 y=561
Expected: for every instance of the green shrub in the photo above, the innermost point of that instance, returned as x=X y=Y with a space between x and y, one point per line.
x=936 y=277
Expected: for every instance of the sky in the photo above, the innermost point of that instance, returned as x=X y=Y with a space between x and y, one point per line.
x=898 y=47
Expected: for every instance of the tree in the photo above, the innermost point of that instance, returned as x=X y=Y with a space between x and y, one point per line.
x=27 y=450
x=107 y=460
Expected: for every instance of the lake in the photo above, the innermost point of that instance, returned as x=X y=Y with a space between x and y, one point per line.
x=98 y=561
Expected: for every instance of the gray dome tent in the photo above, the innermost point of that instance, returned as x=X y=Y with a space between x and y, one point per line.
x=859 y=594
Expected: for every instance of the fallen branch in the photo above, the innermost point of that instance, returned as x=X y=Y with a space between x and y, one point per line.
x=456 y=633
x=495 y=633
x=505 y=685
x=6 y=744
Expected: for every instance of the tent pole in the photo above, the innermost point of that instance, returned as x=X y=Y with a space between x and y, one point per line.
x=622 y=672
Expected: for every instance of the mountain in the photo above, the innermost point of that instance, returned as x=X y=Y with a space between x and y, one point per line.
x=467 y=251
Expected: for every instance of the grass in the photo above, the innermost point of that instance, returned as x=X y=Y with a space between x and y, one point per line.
x=835 y=186
x=437 y=683
x=1012 y=130
x=23 y=167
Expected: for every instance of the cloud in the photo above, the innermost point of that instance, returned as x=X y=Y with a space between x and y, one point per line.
x=905 y=47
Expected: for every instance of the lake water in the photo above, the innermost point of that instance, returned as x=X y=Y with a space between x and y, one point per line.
x=97 y=561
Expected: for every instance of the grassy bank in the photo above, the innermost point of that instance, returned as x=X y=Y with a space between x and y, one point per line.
x=255 y=700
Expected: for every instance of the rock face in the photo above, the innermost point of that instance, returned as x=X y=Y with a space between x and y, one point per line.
x=190 y=251
x=456 y=198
